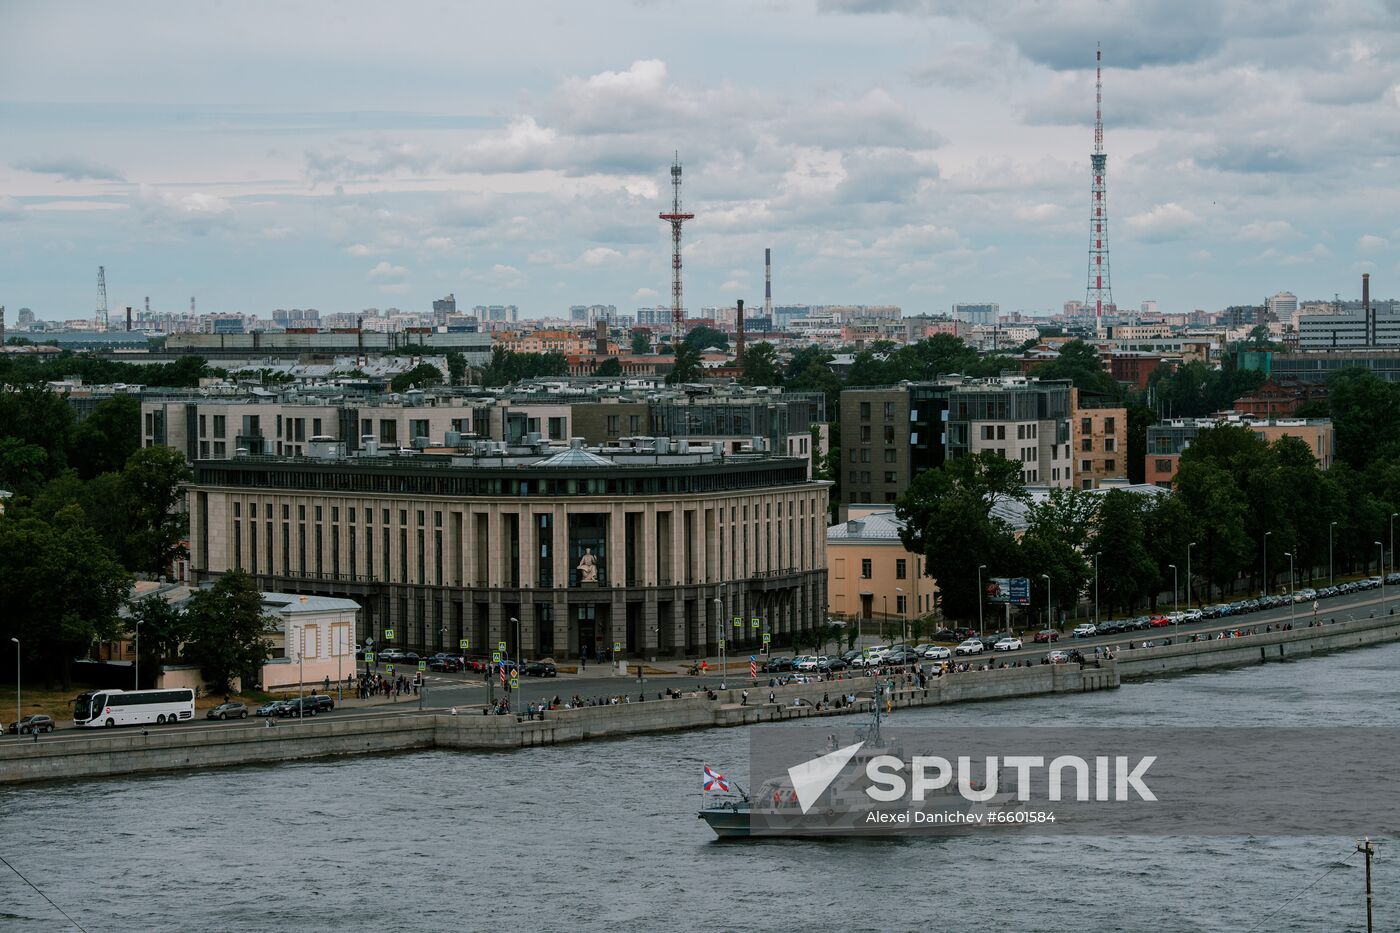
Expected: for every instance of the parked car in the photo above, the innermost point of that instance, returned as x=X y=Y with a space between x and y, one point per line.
x=902 y=656
x=389 y=655
x=1085 y=630
x=1046 y=635
x=299 y=707
x=228 y=711
x=541 y=668
x=37 y=722
x=1159 y=622
x=1007 y=644
x=410 y=657
x=937 y=653
x=271 y=708
x=833 y=664
x=444 y=665
x=323 y=703
x=970 y=646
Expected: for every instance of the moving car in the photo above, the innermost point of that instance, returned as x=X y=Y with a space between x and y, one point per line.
x=1007 y=644
x=271 y=708
x=1046 y=635
x=970 y=646
x=37 y=722
x=1085 y=629
x=937 y=653
x=541 y=668
x=228 y=711
x=1057 y=657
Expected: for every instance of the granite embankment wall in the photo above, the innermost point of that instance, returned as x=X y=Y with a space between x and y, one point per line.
x=1300 y=642
x=193 y=746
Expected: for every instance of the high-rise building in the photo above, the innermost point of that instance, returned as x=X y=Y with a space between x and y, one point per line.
x=974 y=314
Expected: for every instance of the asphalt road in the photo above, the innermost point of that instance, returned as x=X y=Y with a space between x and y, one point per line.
x=468 y=691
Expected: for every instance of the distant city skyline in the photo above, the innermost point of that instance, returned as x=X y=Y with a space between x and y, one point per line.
x=338 y=157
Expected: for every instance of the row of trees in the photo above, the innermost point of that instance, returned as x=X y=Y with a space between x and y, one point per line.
x=25 y=368
x=1233 y=491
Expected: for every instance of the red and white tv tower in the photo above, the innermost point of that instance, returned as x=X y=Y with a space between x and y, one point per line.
x=675 y=218
x=1099 y=294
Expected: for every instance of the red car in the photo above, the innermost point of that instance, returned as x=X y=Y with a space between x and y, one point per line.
x=1159 y=622
x=1047 y=635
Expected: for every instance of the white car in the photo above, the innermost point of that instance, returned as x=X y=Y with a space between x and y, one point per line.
x=937 y=653
x=879 y=651
x=1007 y=644
x=971 y=646
x=805 y=663
x=1085 y=629
x=1057 y=657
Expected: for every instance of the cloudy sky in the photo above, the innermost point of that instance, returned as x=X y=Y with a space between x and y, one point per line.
x=349 y=155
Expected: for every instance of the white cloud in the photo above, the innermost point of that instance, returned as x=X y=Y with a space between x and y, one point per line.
x=594 y=257
x=194 y=211
x=69 y=168
x=1163 y=222
x=644 y=294
x=386 y=270
x=360 y=250
x=1267 y=231
x=1369 y=243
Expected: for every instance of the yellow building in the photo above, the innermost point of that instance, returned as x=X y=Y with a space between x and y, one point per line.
x=870 y=575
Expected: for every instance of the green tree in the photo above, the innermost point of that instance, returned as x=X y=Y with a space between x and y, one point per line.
x=947 y=517
x=228 y=631
x=33 y=416
x=687 y=366
x=61 y=589
x=508 y=367
x=1054 y=542
x=1218 y=510
x=109 y=435
x=164 y=630
x=1365 y=416
x=761 y=367
x=609 y=367
x=420 y=376
x=702 y=338
x=1124 y=564
x=641 y=343
x=1079 y=362
x=152 y=483
x=456 y=367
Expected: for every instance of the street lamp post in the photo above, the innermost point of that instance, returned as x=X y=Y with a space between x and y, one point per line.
x=1292 y=604
x=519 y=660
x=1047 y=600
x=1382 y=550
x=1176 y=603
x=1265 y=588
x=1096 y=590
x=885 y=602
x=981 y=626
x=301 y=689
x=18 y=682
x=137 y=685
x=1392 y=544
x=719 y=620
x=1331 y=574
x=1188 y=575
x=903 y=617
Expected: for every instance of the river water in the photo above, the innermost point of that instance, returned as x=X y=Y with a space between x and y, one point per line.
x=603 y=835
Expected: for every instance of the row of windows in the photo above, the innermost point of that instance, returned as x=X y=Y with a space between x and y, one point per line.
x=1086 y=425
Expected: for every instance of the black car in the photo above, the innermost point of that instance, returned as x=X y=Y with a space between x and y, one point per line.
x=541 y=669
x=299 y=707
x=410 y=657
x=324 y=704
x=778 y=665
x=444 y=665
x=832 y=664
x=902 y=656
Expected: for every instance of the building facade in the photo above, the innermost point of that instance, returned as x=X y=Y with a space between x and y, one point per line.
x=870 y=575
x=654 y=550
x=892 y=434
x=1099 y=442
x=1167 y=439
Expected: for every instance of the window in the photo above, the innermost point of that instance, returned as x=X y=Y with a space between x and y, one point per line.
x=1001 y=432
x=316 y=426
x=865 y=568
x=901 y=568
x=889 y=434
x=1086 y=443
x=1085 y=466
x=865 y=434
x=388 y=432
x=1110 y=444
x=1086 y=426
x=865 y=455
x=1163 y=466
x=890 y=454
x=864 y=411
x=203 y=426
x=1110 y=465
x=612 y=425
x=899 y=604
x=889 y=411
x=1108 y=425
x=1020 y=432
x=890 y=477
x=219 y=424
x=988 y=433
x=418 y=427
x=855 y=457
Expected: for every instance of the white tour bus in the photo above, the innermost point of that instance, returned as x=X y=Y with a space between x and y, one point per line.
x=132 y=707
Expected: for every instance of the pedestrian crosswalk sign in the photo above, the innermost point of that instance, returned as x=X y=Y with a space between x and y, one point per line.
x=617 y=646
x=495 y=657
x=738 y=623
x=422 y=665
x=721 y=644
x=464 y=644
x=514 y=682
x=767 y=638
x=390 y=668
x=500 y=646
x=754 y=622
x=389 y=633
x=369 y=657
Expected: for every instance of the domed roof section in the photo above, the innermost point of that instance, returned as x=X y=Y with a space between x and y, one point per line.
x=574 y=457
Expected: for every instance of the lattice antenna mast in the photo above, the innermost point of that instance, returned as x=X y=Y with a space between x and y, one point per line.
x=101 y=298
x=675 y=218
x=1099 y=292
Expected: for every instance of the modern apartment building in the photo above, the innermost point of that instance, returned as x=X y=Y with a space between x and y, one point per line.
x=656 y=545
x=892 y=434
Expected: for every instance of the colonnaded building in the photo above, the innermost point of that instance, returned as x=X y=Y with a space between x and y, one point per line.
x=651 y=543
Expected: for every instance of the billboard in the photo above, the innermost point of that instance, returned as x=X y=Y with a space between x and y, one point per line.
x=1013 y=590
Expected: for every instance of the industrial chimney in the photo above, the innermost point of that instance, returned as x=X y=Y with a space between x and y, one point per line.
x=1366 y=309
x=128 y=319
x=600 y=344
x=768 y=285
x=739 y=333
